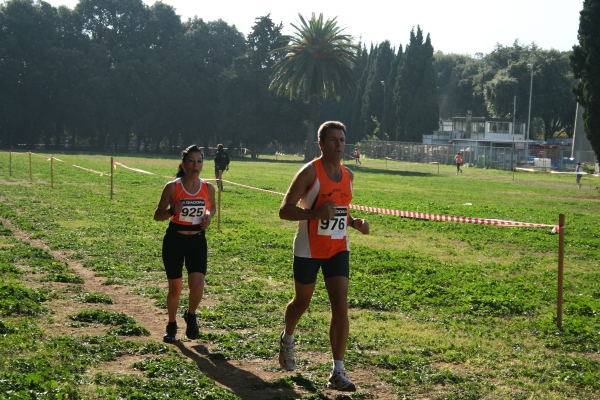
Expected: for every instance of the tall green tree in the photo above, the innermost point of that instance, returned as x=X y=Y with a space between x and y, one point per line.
x=210 y=48
x=253 y=116
x=373 y=100
x=585 y=62
x=120 y=27
x=362 y=69
x=389 y=123
x=506 y=72
x=318 y=61
x=454 y=75
x=417 y=107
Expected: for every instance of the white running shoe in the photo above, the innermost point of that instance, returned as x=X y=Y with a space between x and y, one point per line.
x=286 y=355
x=339 y=381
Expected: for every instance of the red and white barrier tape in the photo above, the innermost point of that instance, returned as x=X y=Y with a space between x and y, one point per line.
x=133 y=169
x=77 y=166
x=250 y=187
x=152 y=173
x=427 y=216
x=555 y=172
x=450 y=218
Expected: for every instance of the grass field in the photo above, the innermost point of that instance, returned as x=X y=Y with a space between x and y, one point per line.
x=439 y=310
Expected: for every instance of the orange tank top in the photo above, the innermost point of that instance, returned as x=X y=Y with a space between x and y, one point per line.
x=324 y=238
x=195 y=205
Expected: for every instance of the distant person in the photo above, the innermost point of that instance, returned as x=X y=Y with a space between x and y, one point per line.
x=319 y=199
x=188 y=202
x=458 y=160
x=579 y=170
x=357 y=156
x=221 y=163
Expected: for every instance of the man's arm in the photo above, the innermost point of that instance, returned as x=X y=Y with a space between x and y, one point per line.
x=290 y=210
x=359 y=224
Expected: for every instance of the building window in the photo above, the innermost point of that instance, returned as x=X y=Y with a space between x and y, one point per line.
x=478 y=127
x=460 y=126
x=519 y=128
x=498 y=127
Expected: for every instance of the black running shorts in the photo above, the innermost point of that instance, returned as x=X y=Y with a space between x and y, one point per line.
x=178 y=248
x=306 y=269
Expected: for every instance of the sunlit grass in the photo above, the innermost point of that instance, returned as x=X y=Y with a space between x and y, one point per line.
x=440 y=309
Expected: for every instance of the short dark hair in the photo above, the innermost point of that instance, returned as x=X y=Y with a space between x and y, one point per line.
x=219 y=146
x=329 y=124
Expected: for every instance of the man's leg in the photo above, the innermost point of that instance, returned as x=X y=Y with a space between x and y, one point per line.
x=299 y=304
x=337 y=289
x=293 y=312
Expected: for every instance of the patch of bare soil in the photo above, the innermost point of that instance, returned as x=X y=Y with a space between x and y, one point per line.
x=246 y=378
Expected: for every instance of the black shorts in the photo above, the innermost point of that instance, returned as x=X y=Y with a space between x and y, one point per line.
x=178 y=248
x=217 y=169
x=306 y=269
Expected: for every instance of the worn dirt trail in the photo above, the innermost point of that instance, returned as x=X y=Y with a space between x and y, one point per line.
x=238 y=376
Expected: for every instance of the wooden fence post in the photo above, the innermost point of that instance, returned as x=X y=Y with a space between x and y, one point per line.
x=112 y=173
x=561 y=257
x=220 y=186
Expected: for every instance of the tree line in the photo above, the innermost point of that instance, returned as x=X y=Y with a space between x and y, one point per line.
x=123 y=76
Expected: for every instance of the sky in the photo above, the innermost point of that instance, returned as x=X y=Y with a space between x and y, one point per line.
x=455 y=26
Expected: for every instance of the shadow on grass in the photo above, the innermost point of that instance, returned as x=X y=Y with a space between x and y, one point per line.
x=349 y=164
x=242 y=383
x=380 y=171
x=266 y=160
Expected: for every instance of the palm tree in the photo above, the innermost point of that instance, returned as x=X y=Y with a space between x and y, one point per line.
x=318 y=61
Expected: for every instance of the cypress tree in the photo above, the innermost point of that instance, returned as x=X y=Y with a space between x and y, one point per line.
x=373 y=98
x=390 y=121
x=416 y=90
x=356 y=122
x=585 y=62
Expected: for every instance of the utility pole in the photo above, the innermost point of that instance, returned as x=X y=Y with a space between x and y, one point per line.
x=529 y=116
x=513 y=134
x=382 y=125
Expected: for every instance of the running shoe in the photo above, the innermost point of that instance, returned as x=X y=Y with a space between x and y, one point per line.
x=192 y=331
x=286 y=355
x=170 y=334
x=339 y=381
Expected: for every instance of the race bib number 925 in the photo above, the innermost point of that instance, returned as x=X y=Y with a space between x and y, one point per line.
x=193 y=210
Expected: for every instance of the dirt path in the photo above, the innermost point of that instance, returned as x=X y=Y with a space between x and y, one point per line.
x=241 y=377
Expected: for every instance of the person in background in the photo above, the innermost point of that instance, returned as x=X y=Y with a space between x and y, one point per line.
x=579 y=171
x=221 y=163
x=319 y=198
x=357 y=156
x=188 y=202
x=458 y=160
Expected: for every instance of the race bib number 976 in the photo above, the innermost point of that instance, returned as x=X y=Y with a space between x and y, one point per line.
x=193 y=210
x=336 y=227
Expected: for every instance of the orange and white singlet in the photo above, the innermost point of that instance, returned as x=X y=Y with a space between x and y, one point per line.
x=324 y=238
x=195 y=205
